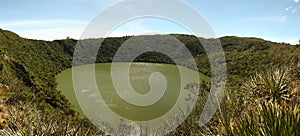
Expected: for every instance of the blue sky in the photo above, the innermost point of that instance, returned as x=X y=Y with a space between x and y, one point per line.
x=276 y=20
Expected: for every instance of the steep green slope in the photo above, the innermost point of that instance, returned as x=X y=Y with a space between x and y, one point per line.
x=32 y=65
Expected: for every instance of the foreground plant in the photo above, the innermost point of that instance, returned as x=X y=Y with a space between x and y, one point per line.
x=26 y=120
x=270 y=120
x=270 y=85
x=265 y=105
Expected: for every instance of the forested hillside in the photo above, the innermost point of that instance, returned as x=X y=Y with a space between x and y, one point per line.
x=28 y=68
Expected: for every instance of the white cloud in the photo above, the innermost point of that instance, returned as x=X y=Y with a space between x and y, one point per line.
x=51 y=34
x=296 y=1
x=60 y=29
x=131 y=28
x=265 y=19
x=46 y=29
x=292 y=9
x=147 y=27
x=280 y=39
x=283 y=18
x=293 y=41
x=39 y=22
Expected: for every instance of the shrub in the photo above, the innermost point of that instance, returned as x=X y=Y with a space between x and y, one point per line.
x=270 y=119
x=269 y=85
x=26 y=120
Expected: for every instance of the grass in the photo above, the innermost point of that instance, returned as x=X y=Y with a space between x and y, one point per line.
x=268 y=104
x=270 y=119
x=270 y=85
x=27 y=121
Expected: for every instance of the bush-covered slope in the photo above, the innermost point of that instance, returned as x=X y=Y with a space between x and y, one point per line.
x=32 y=65
x=35 y=63
x=246 y=56
x=28 y=67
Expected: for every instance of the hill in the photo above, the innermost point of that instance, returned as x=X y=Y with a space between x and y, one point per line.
x=28 y=67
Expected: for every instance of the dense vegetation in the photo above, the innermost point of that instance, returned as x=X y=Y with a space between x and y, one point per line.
x=28 y=69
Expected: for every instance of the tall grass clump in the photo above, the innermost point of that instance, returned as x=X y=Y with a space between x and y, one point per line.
x=270 y=85
x=26 y=120
x=267 y=104
x=271 y=107
x=269 y=119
